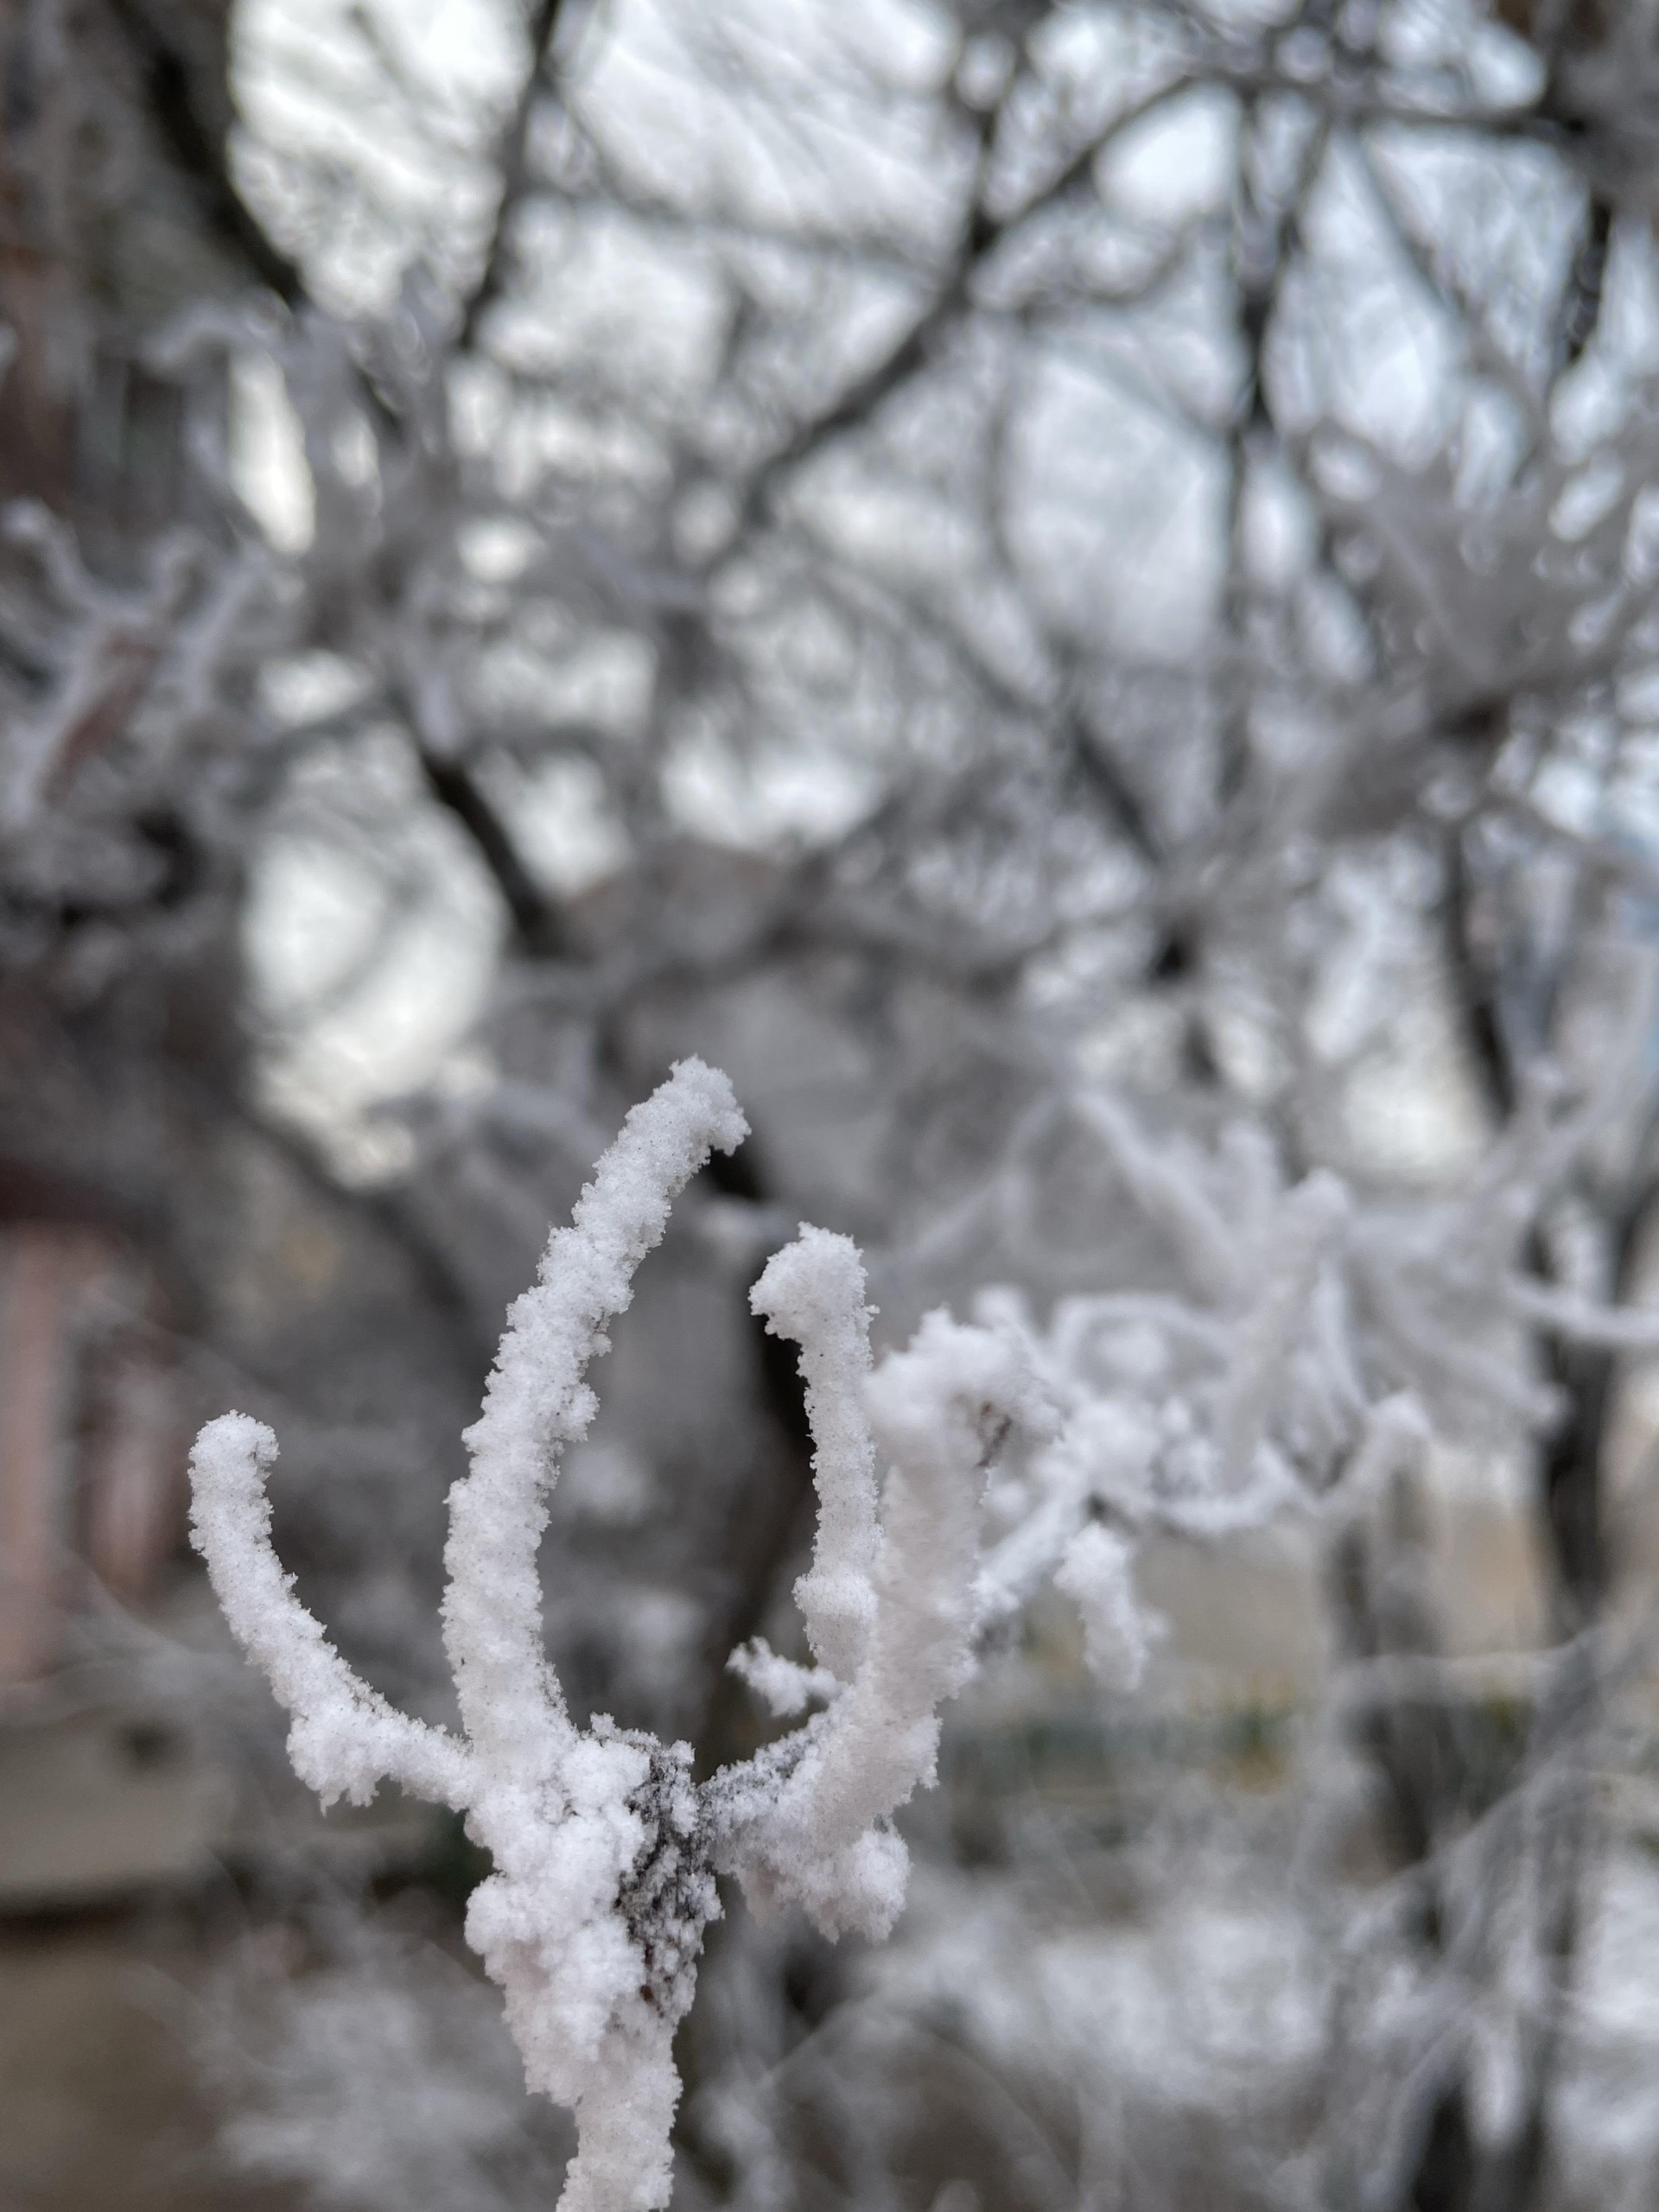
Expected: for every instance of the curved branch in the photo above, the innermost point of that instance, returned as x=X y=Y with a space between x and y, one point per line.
x=346 y=1737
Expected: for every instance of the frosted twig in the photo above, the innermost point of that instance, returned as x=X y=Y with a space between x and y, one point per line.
x=593 y=1916
x=937 y=1412
x=812 y=1291
x=344 y=1736
x=604 y=1851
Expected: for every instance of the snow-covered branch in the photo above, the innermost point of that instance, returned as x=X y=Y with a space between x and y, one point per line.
x=345 y=1738
x=810 y=1820
x=604 y=1851
x=812 y=1291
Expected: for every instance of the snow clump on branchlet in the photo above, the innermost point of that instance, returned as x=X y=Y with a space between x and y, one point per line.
x=1117 y=1635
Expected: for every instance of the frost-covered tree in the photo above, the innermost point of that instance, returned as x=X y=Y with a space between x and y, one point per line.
x=1064 y=590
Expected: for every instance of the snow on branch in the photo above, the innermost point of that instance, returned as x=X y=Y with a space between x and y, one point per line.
x=604 y=1850
x=808 y=1821
x=1321 y=1334
x=346 y=1737
x=1203 y=1415
x=812 y=1292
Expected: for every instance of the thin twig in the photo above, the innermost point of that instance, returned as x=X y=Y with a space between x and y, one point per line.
x=514 y=162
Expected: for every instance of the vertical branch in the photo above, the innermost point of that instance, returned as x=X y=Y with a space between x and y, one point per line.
x=1579 y=315
x=1260 y=240
x=513 y=161
x=813 y=1292
x=937 y=1412
x=1474 y=984
x=537 y=1403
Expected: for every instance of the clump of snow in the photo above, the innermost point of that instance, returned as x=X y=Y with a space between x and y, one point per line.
x=1096 y=1574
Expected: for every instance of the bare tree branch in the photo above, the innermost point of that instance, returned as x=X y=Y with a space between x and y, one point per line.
x=200 y=154
x=513 y=161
